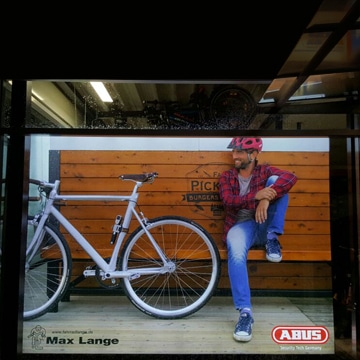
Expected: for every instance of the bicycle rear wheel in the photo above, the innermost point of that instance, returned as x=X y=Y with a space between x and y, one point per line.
x=232 y=108
x=47 y=271
x=179 y=291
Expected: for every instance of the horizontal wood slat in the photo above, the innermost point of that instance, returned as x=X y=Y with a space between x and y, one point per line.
x=161 y=198
x=171 y=185
x=188 y=186
x=114 y=170
x=291 y=227
x=108 y=212
x=276 y=158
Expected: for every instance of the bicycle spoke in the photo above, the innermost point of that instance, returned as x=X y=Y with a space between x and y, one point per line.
x=179 y=292
x=47 y=274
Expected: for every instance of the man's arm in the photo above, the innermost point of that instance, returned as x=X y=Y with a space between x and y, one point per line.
x=285 y=181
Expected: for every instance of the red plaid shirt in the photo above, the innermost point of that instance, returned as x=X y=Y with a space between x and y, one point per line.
x=229 y=190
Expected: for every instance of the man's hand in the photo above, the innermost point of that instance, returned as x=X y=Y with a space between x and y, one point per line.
x=261 y=211
x=264 y=196
x=267 y=193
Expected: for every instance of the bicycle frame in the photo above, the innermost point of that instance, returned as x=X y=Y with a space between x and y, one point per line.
x=108 y=268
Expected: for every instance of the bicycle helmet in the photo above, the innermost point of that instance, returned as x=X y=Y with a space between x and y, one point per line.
x=246 y=143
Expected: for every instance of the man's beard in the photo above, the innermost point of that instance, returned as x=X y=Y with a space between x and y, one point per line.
x=243 y=165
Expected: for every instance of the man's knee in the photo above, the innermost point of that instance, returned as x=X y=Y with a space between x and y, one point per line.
x=237 y=248
x=271 y=180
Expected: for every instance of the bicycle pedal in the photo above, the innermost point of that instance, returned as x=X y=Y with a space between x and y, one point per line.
x=88 y=273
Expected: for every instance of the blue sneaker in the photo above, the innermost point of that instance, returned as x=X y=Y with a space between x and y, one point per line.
x=243 y=329
x=273 y=250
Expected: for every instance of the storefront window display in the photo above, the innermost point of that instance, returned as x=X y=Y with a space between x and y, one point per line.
x=304 y=310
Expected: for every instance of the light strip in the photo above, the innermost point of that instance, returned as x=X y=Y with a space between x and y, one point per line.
x=307 y=97
x=264 y=101
x=294 y=98
x=100 y=89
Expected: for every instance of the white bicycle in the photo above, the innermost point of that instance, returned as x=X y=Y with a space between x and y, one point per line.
x=169 y=266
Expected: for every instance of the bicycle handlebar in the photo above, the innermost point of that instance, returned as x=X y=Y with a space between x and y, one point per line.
x=42 y=183
x=35 y=182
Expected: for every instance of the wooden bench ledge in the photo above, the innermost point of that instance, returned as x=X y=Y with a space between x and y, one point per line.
x=287 y=255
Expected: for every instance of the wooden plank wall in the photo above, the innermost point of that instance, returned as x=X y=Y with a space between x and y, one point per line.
x=188 y=185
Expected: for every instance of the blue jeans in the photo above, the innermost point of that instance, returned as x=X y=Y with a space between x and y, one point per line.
x=241 y=237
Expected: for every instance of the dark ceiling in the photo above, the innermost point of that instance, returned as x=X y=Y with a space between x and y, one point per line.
x=284 y=54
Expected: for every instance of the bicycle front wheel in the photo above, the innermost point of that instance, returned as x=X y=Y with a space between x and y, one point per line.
x=191 y=277
x=47 y=272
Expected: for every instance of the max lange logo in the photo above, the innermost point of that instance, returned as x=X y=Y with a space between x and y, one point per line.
x=39 y=338
x=300 y=334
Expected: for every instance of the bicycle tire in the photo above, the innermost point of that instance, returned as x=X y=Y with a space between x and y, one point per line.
x=47 y=272
x=171 y=294
x=232 y=108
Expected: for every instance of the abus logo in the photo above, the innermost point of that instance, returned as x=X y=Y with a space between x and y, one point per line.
x=300 y=334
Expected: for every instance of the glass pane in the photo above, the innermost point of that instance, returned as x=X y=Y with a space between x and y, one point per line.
x=145 y=105
x=189 y=106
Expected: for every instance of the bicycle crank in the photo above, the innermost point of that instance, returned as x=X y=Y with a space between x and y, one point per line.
x=107 y=283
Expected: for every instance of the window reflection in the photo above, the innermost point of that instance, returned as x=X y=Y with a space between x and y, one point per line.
x=183 y=106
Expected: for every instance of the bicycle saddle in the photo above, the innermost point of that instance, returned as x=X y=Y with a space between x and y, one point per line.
x=139 y=177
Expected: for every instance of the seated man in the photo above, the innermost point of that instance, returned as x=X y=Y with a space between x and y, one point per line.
x=255 y=199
